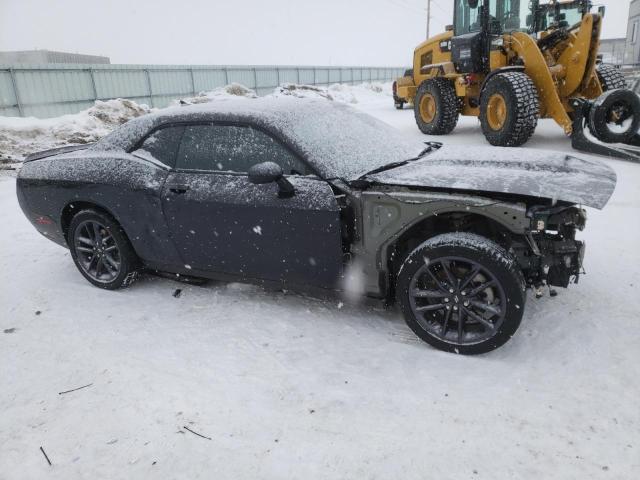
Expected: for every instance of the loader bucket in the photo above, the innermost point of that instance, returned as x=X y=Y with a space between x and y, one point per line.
x=585 y=140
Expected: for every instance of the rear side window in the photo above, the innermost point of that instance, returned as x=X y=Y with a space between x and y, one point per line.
x=233 y=149
x=163 y=144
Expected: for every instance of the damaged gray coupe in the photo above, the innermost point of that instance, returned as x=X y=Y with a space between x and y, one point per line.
x=310 y=195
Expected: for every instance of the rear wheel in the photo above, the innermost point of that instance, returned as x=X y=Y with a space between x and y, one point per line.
x=509 y=109
x=610 y=77
x=101 y=250
x=436 y=107
x=461 y=293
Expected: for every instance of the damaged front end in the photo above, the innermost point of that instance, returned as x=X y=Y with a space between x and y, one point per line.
x=555 y=257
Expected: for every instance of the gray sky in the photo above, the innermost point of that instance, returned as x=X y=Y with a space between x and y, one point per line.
x=305 y=32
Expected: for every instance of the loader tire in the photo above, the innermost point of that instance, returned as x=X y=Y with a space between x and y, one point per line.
x=509 y=109
x=436 y=107
x=610 y=77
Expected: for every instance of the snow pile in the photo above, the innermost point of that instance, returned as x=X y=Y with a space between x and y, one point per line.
x=21 y=136
x=353 y=94
x=233 y=90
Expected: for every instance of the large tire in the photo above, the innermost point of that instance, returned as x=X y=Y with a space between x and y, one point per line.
x=436 y=107
x=101 y=250
x=611 y=78
x=615 y=116
x=442 y=281
x=509 y=109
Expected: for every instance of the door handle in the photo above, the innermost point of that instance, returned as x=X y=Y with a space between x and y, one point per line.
x=179 y=189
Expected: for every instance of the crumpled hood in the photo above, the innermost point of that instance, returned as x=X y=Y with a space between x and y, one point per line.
x=520 y=171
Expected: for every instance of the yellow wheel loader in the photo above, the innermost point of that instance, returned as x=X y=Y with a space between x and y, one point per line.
x=511 y=62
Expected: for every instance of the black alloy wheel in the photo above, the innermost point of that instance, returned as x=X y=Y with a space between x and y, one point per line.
x=97 y=251
x=101 y=250
x=457 y=300
x=461 y=293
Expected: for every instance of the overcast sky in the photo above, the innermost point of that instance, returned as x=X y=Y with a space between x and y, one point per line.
x=304 y=32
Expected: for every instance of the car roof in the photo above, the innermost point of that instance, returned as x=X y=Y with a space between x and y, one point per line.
x=336 y=139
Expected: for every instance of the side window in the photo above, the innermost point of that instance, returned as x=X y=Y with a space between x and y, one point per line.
x=162 y=145
x=233 y=149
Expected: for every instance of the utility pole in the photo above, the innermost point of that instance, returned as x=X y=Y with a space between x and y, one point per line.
x=428 y=18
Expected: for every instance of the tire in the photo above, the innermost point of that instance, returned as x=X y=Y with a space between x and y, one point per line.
x=615 y=116
x=509 y=109
x=611 y=78
x=436 y=107
x=111 y=248
x=500 y=306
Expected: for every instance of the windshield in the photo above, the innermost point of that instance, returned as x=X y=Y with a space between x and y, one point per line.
x=504 y=16
x=513 y=15
x=550 y=13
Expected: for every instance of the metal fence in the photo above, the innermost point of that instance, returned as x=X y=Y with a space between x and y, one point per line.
x=52 y=90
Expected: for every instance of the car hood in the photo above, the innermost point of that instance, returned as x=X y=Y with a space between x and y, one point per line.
x=518 y=171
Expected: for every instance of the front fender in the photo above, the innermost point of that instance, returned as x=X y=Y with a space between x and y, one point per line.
x=387 y=215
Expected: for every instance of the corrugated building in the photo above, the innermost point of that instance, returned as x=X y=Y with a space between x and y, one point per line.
x=44 y=57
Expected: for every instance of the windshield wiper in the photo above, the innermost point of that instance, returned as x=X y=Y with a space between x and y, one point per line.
x=384 y=168
x=430 y=147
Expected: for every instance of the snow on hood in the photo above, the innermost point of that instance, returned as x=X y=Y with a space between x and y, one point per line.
x=520 y=171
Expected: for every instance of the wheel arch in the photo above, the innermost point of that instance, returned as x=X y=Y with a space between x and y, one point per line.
x=393 y=252
x=72 y=208
x=493 y=73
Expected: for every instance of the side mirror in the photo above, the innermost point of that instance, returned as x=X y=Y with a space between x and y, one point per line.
x=602 y=10
x=269 y=172
x=265 y=172
x=473 y=3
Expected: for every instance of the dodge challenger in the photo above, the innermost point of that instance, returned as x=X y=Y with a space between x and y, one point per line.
x=307 y=194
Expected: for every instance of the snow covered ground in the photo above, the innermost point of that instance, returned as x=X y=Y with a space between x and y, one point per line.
x=287 y=386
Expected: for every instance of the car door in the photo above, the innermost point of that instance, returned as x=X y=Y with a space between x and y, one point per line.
x=220 y=222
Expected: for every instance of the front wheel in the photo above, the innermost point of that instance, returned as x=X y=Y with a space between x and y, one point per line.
x=461 y=293
x=101 y=250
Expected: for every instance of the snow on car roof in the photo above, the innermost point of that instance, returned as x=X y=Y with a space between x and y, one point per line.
x=336 y=139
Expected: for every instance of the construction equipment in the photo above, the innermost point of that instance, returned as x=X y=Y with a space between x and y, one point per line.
x=511 y=62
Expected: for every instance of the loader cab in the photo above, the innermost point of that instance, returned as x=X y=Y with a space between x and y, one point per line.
x=561 y=14
x=478 y=22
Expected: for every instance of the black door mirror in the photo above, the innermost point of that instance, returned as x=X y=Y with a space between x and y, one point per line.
x=268 y=172
x=265 y=172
